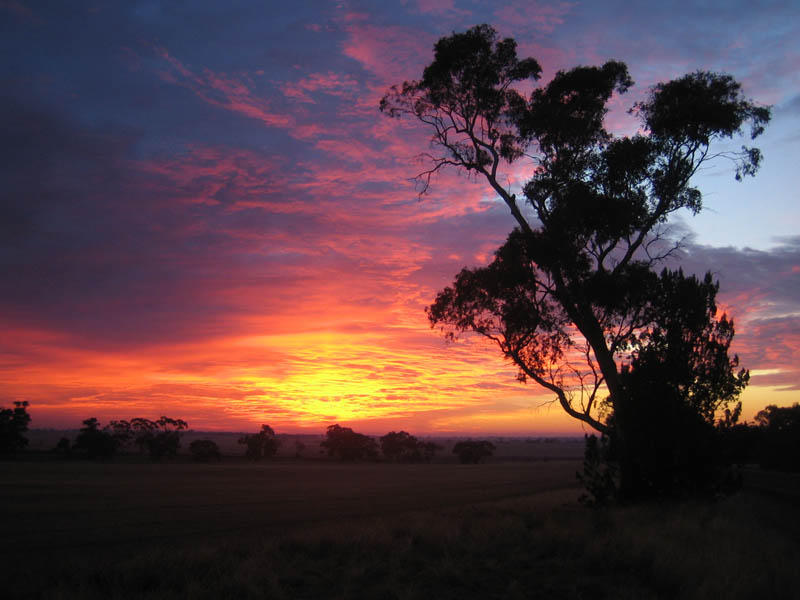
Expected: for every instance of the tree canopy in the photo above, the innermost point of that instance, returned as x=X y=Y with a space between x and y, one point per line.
x=401 y=446
x=348 y=445
x=471 y=452
x=263 y=444
x=573 y=296
x=13 y=423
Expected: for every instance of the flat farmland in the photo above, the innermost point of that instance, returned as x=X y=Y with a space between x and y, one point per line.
x=74 y=506
x=290 y=529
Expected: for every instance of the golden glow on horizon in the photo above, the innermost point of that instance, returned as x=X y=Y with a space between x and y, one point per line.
x=398 y=378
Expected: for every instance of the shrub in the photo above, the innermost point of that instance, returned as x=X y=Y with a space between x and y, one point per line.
x=472 y=452
x=204 y=450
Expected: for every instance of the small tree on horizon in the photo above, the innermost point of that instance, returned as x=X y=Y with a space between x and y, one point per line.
x=13 y=423
x=347 y=445
x=205 y=451
x=260 y=445
x=471 y=452
x=94 y=441
x=400 y=446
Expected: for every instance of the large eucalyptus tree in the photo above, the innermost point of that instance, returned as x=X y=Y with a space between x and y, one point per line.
x=573 y=297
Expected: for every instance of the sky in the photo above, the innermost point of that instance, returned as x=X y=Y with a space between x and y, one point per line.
x=204 y=215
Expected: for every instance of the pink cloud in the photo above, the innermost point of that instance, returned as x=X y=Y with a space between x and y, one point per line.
x=390 y=54
x=329 y=83
x=223 y=91
x=541 y=17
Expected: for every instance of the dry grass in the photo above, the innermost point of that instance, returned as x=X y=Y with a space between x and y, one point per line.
x=422 y=545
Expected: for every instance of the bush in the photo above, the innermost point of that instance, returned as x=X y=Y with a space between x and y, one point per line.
x=95 y=442
x=346 y=444
x=473 y=452
x=13 y=423
x=261 y=444
x=779 y=446
x=204 y=450
x=399 y=446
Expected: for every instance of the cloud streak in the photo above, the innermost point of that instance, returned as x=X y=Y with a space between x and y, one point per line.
x=214 y=222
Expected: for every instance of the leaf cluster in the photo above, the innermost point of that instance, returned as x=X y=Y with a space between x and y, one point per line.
x=263 y=444
x=401 y=446
x=348 y=445
x=13 y=423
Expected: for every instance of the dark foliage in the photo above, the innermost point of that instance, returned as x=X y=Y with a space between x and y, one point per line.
x=13 y=423
x=599 y=475
x=160 y=438
x=94 y=442
x=63 y=447
x=472 y=452
x=779 y=446
x=260 y=445
x=573 y=297
x=400 y=446
x=347 y=445
x=205 y=451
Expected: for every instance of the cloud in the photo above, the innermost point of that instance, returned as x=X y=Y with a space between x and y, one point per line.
x=760 y=289
x=331 y=84
x=223 y=91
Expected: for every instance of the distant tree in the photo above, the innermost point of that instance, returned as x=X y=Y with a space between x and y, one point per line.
x=94 y=441
x=120 y=431
x=63 y=447
x=298 y=448
x=141 y=431
x=400 y=446
x=260 y=445
x=779 y=446
x=205 y=450
x=158 y=438
x=571 y=297
x=739 y=444
x=13 y=423
x=347 y=445
x=167 y=439
x=473 y=452
x=429 y=450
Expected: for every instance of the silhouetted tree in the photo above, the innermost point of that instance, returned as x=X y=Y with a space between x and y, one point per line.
x=429 y=450
x=261 y=444
x=572 y=297
x=205 y=450
x=400 y=446
x=13 y=423
x=159 y=438
x=94 y=441
x=472 y=452
x=779 y=446
x=120 y=431
x=346 y=444
x=63 y=447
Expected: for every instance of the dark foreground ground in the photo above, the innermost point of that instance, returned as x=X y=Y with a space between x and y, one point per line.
x=304 y=529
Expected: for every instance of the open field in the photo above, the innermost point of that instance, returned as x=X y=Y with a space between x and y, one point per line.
x=306 y=529
x=62 y=505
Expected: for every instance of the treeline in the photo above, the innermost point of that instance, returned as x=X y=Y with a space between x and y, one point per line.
x=161 y=438
x=772 y=441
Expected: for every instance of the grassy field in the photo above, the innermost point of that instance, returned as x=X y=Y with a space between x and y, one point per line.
x=304 y=529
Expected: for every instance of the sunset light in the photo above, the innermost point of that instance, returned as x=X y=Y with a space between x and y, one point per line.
x=217 y=223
